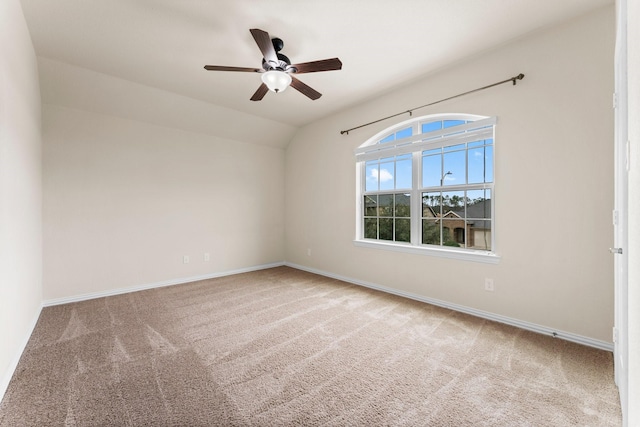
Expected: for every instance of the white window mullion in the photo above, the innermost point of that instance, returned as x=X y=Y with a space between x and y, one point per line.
x=416 y=199
x=360 y=191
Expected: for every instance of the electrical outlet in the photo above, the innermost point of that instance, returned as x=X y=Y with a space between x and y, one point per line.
x=207 y=257
x=185 y=259
x=488 y=285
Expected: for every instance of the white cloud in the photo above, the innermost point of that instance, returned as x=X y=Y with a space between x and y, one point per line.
x=385 y=175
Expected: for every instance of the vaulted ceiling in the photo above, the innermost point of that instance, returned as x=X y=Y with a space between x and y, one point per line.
x=164 y=44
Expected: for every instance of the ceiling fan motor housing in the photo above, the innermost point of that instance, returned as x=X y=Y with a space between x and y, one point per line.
x=278 y=44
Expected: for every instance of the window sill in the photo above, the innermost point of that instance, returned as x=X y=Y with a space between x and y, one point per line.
x=464 y=255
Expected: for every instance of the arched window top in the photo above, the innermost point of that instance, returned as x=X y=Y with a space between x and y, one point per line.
x=424 y=131
x=431 y=126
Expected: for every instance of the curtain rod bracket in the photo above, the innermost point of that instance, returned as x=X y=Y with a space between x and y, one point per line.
x=518 y=77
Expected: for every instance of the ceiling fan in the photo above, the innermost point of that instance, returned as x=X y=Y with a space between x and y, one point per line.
x=277 y=70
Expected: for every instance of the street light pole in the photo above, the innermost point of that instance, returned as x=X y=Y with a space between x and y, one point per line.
x=445 y=174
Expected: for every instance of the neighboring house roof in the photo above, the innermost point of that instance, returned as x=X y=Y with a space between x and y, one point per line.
x=478 y=210
x=452 y=213
x=402 y=198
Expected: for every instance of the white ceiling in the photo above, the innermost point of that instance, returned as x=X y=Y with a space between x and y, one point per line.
x=164 y=44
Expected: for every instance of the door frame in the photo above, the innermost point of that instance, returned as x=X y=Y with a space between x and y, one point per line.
x=620 y=211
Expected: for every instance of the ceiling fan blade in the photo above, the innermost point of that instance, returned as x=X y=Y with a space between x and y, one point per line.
x=304 y=89
x=223 y=68
x=260 y=93
x=315 y=66
x=263 y=40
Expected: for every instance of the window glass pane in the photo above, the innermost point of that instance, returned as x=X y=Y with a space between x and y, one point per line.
x=370 y=228
x=488 y=177
x=475 y=144
x=403 y=205
x=479 y=235
x=431 y=170
x=454 y=167
x=385 y=205
x=453 y=203
x=480 y=161
x=370 y=205
x=388 y=138
x=403 y=172
x=451 y=123
x=460 y=234
x=431 y=205
x=488 y=141
x=430 y=232
x=404 y=133
x=479 y=204
x=430 y=127
x=371 y=176
x=430 y=152
x=385 y=177
x=386 y=228
x=449 y=232
x=454 y=232
x=403 y=230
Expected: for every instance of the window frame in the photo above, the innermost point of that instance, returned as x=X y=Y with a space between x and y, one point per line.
x=476 y=128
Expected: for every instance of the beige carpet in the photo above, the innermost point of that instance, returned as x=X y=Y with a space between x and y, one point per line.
x=285 y=347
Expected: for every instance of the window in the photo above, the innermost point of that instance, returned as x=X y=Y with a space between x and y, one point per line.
x=427 y=185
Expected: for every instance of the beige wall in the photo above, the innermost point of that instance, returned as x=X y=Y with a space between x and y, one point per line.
x=554 y=166
x=125 y=200
x=20 y=188
x=87 y=90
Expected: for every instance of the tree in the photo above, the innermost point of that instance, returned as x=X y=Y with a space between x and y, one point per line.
x=430 y=233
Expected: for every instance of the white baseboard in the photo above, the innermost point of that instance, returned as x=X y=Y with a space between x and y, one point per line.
x=468 y=310
x=118 y=291
x=479 y=313
x=4 y=383
x=6 y=378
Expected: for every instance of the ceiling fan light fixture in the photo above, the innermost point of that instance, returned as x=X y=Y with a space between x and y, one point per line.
x=276 y=80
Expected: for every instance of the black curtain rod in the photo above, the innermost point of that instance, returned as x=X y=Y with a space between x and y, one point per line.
x=512 y=79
